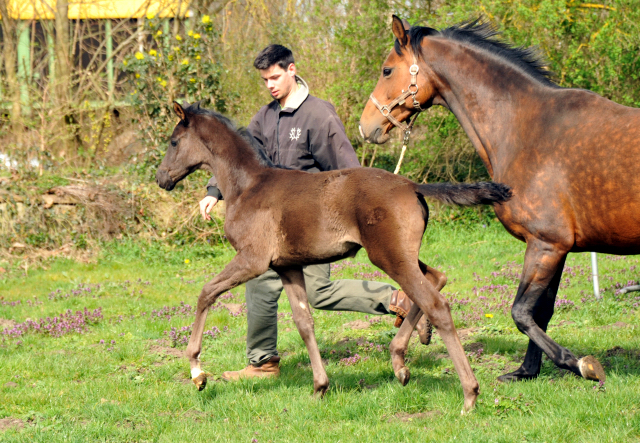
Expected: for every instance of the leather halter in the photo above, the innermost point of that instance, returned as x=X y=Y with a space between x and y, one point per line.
x=385 y=110
x=412 y=90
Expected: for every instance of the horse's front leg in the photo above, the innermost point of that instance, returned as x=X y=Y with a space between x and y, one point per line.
x=239 y=270
x=293 y=282
x=399 y=344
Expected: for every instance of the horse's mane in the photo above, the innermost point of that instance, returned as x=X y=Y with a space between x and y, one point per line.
x=195 y=109
x=485 y=35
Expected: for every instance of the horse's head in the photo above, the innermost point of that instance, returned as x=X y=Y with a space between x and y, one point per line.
x=398 y=94
x=186 y=151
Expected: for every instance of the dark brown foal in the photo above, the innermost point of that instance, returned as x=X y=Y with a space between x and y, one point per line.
x=287 y=219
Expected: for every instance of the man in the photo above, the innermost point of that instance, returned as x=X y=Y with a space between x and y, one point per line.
x=299 y=131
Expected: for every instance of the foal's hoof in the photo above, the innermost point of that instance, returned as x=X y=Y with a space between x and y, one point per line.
x=591 y=369
x=425 y=330
x=200 y=381
x=318 y=392
x=403 y=375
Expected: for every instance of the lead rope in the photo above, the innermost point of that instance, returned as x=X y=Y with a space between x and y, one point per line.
x=405 y=142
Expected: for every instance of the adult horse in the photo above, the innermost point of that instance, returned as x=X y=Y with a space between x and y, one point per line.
x=564 y=152
x=285 y=219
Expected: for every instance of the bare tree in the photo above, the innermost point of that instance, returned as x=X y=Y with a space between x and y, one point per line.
x=9 y=52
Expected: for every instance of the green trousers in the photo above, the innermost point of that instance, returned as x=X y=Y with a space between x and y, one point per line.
x=263 y=292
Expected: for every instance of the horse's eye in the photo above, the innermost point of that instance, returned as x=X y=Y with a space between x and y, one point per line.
x=174 y=143
x=386 y=72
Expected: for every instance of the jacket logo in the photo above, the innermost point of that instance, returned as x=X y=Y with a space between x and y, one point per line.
x=294 y=134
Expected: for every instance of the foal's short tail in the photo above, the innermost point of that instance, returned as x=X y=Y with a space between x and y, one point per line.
x=467 y=194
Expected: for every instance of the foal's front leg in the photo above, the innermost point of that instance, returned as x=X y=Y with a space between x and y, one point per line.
x=293 y=282
x=239 y=270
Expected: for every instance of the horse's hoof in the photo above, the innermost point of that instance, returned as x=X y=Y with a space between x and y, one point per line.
x=200 y=381
x=425 y=330
x=404 y=375
x=516 y=375
x=591 y=369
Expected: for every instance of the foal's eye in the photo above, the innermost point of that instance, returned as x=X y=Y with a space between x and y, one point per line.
x=386 y=72
x=174 y=143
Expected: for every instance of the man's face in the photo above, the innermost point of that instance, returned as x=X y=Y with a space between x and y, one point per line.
x=278 y=81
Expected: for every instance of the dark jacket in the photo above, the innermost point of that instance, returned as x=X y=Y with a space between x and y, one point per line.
x=308 y=136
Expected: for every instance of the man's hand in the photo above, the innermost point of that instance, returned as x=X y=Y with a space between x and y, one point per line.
x=206 y=205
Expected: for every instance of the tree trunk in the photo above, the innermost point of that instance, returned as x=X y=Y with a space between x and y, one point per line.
x=9 y=51
x=62 y=81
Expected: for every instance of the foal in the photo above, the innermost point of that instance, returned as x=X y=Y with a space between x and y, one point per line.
x=286 y=219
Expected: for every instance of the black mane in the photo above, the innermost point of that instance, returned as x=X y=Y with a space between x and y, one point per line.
x=264 y=159
x=485 y=35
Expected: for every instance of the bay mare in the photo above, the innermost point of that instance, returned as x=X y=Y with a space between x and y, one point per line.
x=285 y=219
x=565 y=153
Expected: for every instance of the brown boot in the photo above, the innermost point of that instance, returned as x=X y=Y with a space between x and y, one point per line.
x=400 y=305
x=270 y=368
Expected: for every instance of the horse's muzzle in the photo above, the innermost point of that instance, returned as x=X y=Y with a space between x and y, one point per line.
x=163 y=179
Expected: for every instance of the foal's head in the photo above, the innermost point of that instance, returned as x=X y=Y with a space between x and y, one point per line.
x=186 y=152
x=200 y=139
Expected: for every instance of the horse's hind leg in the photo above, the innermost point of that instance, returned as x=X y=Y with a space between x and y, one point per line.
x=236 y=272
x=542 y=266
x=294 y=287
x=398 y=346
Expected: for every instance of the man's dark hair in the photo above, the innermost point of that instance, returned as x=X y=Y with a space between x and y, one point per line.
x=272 y=55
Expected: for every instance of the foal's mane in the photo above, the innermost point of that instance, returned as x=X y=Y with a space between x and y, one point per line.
x=195 y=109
x=485 y=35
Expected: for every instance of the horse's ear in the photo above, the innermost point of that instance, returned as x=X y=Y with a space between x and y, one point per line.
x=197 y=104
x=406 y=24
x=177 y=108
x=399 y=31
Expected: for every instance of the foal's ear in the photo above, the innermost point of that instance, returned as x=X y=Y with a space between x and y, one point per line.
x=177 y=108
x=398 y=27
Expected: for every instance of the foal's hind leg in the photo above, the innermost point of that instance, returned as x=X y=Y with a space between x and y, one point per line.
x=398 y=346
x=436 y=307
x=293 y=282
x=238 y=271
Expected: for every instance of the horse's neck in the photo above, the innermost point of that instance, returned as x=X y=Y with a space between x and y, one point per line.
x=235 y=164
x=486 y=98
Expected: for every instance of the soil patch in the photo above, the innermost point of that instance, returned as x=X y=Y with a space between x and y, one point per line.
x=358 y=324
x=165 y=350
x=405 y=417
x=5 y=323
x=619 y=351
x=465 y=333
x=10 y=423
x=233 y=308
x=11 y=385
x=473 y=347
x=616 y=325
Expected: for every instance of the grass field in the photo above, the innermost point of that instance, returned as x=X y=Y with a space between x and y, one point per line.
x=112 y=371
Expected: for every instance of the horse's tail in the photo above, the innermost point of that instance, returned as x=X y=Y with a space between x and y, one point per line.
x=467 y=194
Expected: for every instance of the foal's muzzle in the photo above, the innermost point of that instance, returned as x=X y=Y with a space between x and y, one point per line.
x=163 y=179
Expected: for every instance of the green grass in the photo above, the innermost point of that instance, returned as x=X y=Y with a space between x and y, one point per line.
x=73 y=388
